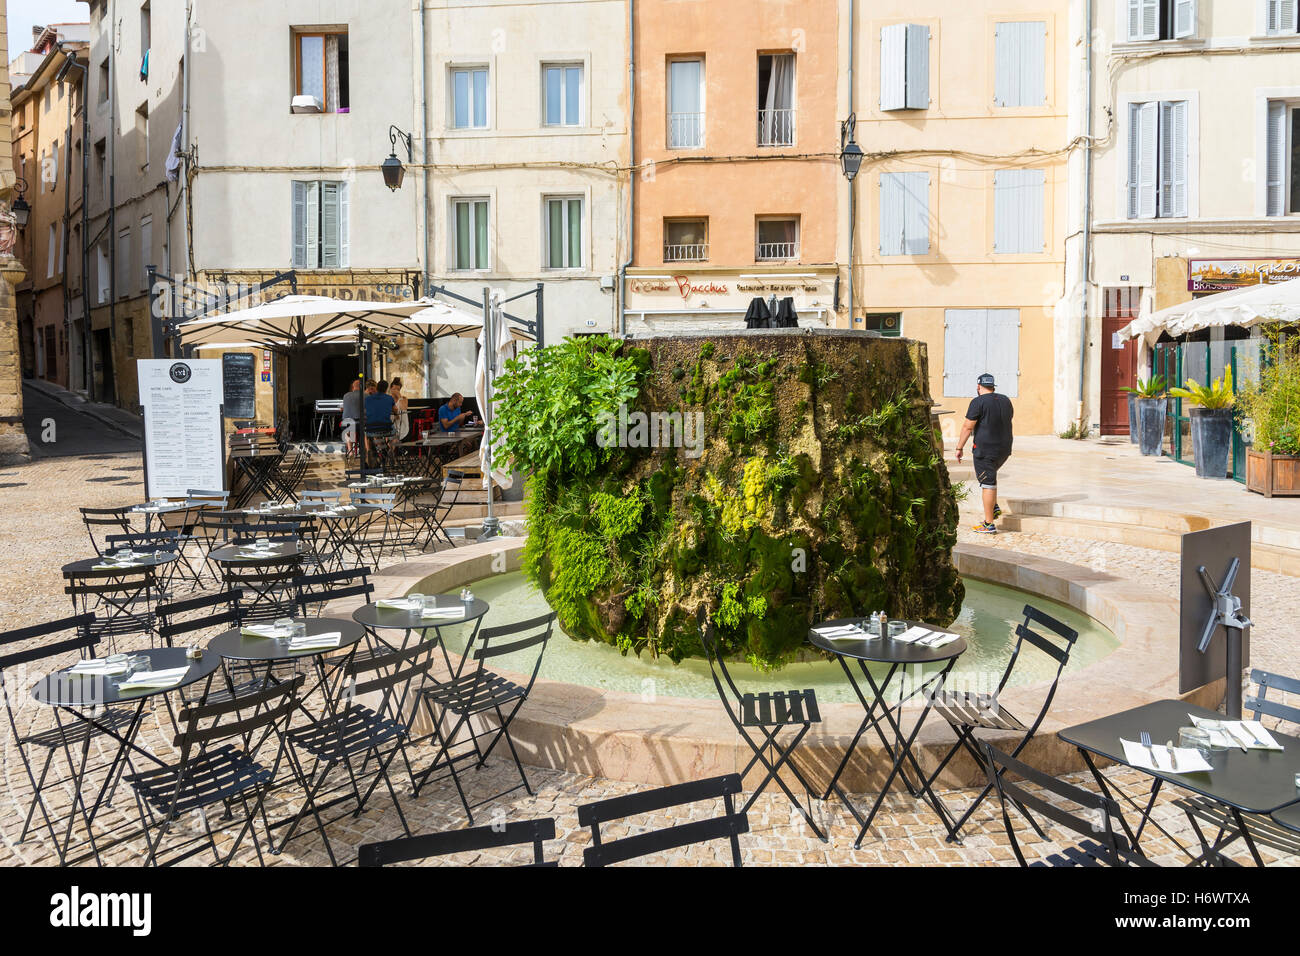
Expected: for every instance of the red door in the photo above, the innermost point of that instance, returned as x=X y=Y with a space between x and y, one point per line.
x=1118 y=365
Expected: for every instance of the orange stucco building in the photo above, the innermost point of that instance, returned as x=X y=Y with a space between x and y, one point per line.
x=736 y=147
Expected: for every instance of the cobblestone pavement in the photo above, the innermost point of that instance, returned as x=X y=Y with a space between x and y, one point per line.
x=40 y=530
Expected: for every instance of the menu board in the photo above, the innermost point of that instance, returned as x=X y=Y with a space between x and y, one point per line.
x=239 y=385
x=182 y=426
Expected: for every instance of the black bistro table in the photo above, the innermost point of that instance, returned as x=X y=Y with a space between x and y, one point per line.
x=82 y=696
x=105 y=566
x=244 y=554
x=1254 y=782
x=377 y=619
x=900 y=656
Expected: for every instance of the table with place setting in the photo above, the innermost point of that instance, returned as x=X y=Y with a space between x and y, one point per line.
x=272 y=553
x=1238 y=765
x=158 y=509
x=125 y=560
x=434 y=612
x=901 y=645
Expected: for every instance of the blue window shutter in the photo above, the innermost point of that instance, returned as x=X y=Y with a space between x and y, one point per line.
x=964 y=334
x=916 y=222
x=892 y=214
x=1021 y=64
x=893 y=67
x=918 y=67
x=1018 y=210
x=1002 y=350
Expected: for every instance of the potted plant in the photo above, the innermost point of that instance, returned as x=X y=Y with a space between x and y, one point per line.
x=1272 y=408
x=1154 y=389
x=1211 y=420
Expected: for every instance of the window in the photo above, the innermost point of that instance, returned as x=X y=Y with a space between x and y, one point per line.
x=1158 y=161
x=101 y=167
x=1283 y=162
x=776 y=238
x=469 y=93
x=1159 y=19
x=146 y=39
x=321 y=69
x=101 y=271
x=1018 y=212
x=142 y=135
x=49 y=259
x=562 y=85
x=563 y=225
x=888 y=324
x=123 y=264
x=1021 y=64
x=904 y=67
x=686 y=240
x=146 y=250
x=103 y=80
x=976 y=341
x=686 y=104
x=52 y=176
x=904 y=214
x=776 y=99
x=1281 y=17
x=320 y=225
x=469 y=234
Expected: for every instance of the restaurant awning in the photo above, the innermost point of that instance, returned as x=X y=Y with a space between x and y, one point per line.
x=1276 y=302
x=294 y=321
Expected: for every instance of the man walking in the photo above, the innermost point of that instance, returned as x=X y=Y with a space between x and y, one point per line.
x=989 y=419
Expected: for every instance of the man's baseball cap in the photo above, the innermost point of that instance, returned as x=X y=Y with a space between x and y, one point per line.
x=986 y=381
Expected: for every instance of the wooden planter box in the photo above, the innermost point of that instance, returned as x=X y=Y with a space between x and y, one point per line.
x=1270 y=474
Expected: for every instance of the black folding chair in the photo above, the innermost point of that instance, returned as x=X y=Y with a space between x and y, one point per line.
x=99 y=521
x=207 y=776
x=17 y=652
x=480 y=693
x=1104 y=846
x=362 y=741
x=268 y=586
x=212 y=531
x=729 y=826
x=375 y=532
x=967 y=711
x=1231 y=825
x=405 y=849
x=317 y=590
x=168 y=540
x=434 y=514
x=769 y=713
x=121 y=600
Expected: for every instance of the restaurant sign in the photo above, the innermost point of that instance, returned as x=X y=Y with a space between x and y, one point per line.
x=687 y=286
x=1221 y=275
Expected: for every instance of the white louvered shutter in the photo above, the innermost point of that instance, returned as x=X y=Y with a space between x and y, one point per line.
x=1173 y=159
x=893 y=67
x=1184 y=18
x=1276 y=159
x=329 y=225
x=1142 y=160
x=311 y=230
x=1281 y=17
x=1143 y=20
x=1018 y=211
x=917 y=71
x=345 y=257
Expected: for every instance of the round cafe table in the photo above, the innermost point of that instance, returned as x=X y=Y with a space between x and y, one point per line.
x=900 y=656
x=91 y=567
x=247 y=554
x=378 y=619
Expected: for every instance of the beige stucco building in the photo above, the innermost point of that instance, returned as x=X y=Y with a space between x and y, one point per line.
x=13 y=440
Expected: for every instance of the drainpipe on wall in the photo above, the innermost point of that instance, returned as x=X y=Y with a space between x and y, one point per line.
x=853 y=183
x=111 y=145
x=1087 y=210
x=621 y=298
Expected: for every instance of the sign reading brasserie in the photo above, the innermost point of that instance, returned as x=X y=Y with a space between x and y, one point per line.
x=1221 y=275
x=686 y=286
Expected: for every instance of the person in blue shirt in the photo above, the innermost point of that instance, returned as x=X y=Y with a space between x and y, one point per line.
x=379 y=415
x=450 y=417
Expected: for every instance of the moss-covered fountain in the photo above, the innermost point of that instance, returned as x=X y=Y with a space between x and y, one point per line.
x=776 y=477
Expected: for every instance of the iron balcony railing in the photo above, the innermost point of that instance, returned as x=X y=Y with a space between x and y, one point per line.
x=686 y=251
x=776 y=127
x=685 y=130
x=777 y=250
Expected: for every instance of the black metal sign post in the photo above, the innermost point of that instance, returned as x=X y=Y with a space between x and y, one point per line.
x=1227 y=612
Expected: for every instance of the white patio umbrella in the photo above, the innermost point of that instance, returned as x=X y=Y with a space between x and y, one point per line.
x=1253 y=305
x=440 y=321
x=297 y=320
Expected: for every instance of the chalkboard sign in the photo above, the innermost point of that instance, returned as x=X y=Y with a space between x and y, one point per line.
x=239 y=384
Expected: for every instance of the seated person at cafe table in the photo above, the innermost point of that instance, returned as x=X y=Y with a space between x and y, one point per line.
x=379 y=414
x=449 y=416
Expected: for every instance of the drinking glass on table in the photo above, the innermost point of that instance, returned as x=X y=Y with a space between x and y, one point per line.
x=417 y=601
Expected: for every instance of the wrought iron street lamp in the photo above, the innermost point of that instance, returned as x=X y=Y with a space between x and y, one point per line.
x=20 y=208
x=392 y=167
x=850 y=151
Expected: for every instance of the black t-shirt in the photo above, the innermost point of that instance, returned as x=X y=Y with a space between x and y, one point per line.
x=992 y=414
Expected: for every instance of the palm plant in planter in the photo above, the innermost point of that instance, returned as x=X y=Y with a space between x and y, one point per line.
x=1211 y=419
x=1272 y=407
x=1147 y=428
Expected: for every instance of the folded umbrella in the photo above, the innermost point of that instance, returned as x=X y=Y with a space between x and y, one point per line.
x=786 y=318
x=757 y=316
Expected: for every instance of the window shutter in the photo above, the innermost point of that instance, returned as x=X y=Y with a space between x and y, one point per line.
x=964 y=333
x=575 y=234
x=1143 y=123
x=1276 y=159
x=917 y=72
x=892 y=199
x=146 y=251
x=329 y=225
x=1184 y=18
x=1020 y=69
x=1281 y=16
x=916 y=223
x=300 y=225
x=345 y=256
x=893 y=67
x=311 y=229
x=481 y=235
x=1144 y=19
x=1018 y=210
x=1173 y=159
x=1002 y=350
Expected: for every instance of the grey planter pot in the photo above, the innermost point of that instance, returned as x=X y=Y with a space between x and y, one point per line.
x=1211 y=441
x=1151 y=425
x=1132 y=418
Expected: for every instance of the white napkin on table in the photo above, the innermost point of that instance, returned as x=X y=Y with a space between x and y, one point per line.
x=163 y=678
x=1244 y=733
x=845 y=632
x=1189 y=759
x=98 y=667
x=396 y=604
x=913 y=634
x=445 y=612
x=261 y=630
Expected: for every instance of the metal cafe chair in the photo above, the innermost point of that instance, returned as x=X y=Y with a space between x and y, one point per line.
x=406 y=849
x=1103 y=846
x=97 y=520
x=1253 y=829
x=120 y=600
x=268 y=587
x=17 y=654
x=768 y=713
x=317 y=590
x=480 y=693
x=208 y=776
x=967 y=711
x=374 y=533
x=362 y=740
x=212 y=531
x=434 y=514
x=728 y=827
x=167 y=540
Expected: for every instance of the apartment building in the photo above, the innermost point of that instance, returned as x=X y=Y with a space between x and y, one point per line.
x=13 y=440
x=47 y=100
x=737 y=181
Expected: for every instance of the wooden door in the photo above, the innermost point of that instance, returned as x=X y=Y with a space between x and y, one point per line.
x=1118 y=365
